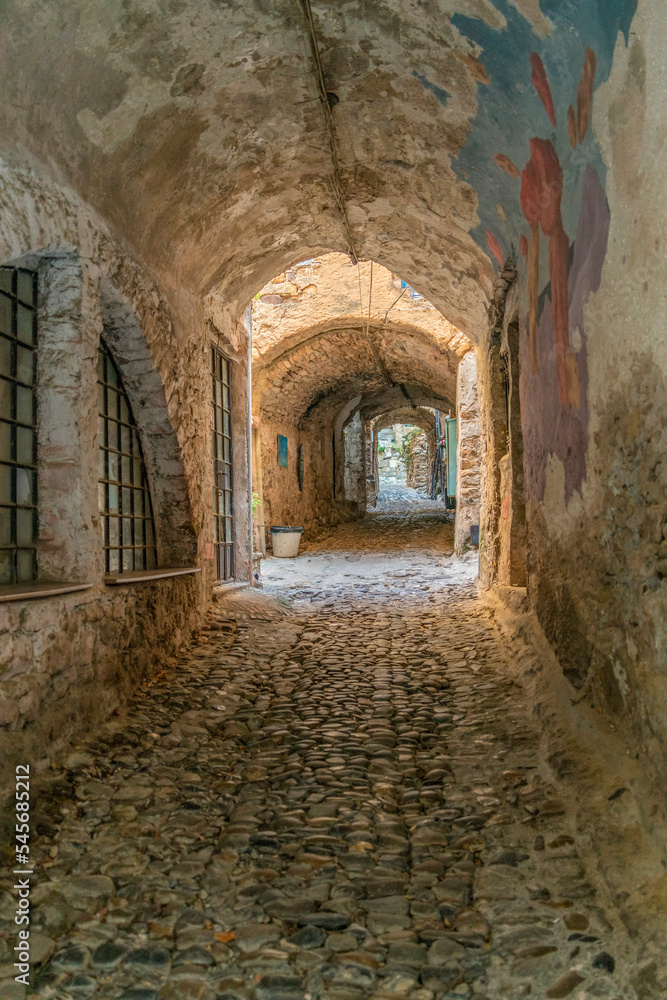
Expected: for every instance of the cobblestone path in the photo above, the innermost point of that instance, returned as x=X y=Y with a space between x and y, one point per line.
x=401 y=499
x=343 y=802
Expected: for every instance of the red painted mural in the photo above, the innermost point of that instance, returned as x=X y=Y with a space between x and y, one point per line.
x=540 y=197
x=541 y=193
x=494 y=247
x=541 y=85
x=546 y=185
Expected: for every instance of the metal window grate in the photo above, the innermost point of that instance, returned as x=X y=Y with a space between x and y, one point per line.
x=18 y=425
x=221 y=445
x=124 y=497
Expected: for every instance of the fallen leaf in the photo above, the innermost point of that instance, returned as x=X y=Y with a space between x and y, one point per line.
x=225 y=936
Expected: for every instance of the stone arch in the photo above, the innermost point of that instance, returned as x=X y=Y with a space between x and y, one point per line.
x=342 y=361
x=419 y=416
x=145 y=388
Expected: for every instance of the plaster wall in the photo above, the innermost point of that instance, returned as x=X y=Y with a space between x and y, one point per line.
x=598 y=540
x=283 y=502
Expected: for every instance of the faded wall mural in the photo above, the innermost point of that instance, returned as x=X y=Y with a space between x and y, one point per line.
x=542 y=201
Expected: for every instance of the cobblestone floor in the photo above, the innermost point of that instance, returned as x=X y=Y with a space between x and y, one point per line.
x=337 y=800
x=398 y=498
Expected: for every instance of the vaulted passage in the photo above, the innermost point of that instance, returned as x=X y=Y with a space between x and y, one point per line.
x=340 y=353
x=392 y=275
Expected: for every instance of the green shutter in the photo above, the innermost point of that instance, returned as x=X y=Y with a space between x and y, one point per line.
x=450 y=445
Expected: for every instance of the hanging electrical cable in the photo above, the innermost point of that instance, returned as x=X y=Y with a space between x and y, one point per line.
x=372 y=339
x=328 y=101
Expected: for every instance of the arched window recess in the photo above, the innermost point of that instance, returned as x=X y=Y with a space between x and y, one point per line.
x=125 y=502
x=124 y=495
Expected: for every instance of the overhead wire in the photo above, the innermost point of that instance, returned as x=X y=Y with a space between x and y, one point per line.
x=375 y=350
x=336 y=178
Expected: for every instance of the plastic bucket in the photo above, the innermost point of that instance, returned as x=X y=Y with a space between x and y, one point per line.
x=285 y=541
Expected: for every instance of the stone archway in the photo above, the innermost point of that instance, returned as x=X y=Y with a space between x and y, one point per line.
x=419 y=452
x=145 y=388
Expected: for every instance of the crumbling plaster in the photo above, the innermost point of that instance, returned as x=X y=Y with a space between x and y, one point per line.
x=599 y=558
x=196 y=135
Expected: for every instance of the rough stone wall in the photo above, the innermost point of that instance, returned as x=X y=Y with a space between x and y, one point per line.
x=491 y=406
x=346 y=362
x=378 y=415
x=315 y=506
x=468 y=452
x=420 y=452
x=391 y=461
x=66 y=662
x=318 y=357
x=354 y=476
x=512 y=522
x=503 y=538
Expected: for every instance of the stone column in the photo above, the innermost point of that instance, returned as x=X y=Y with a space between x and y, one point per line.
x=355 y=460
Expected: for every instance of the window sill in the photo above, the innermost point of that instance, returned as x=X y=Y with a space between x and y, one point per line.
x=146 y=575
x=30 y=591
x=227 y=586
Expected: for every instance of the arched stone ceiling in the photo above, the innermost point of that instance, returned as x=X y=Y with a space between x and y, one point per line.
x=337 y=365
x=196 y=129
x=419 y=417
x=327 y=410
x=331 y=292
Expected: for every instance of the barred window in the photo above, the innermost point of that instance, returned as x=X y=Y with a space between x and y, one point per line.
x=124 y=497
x=18 y=425
x=221 y=434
